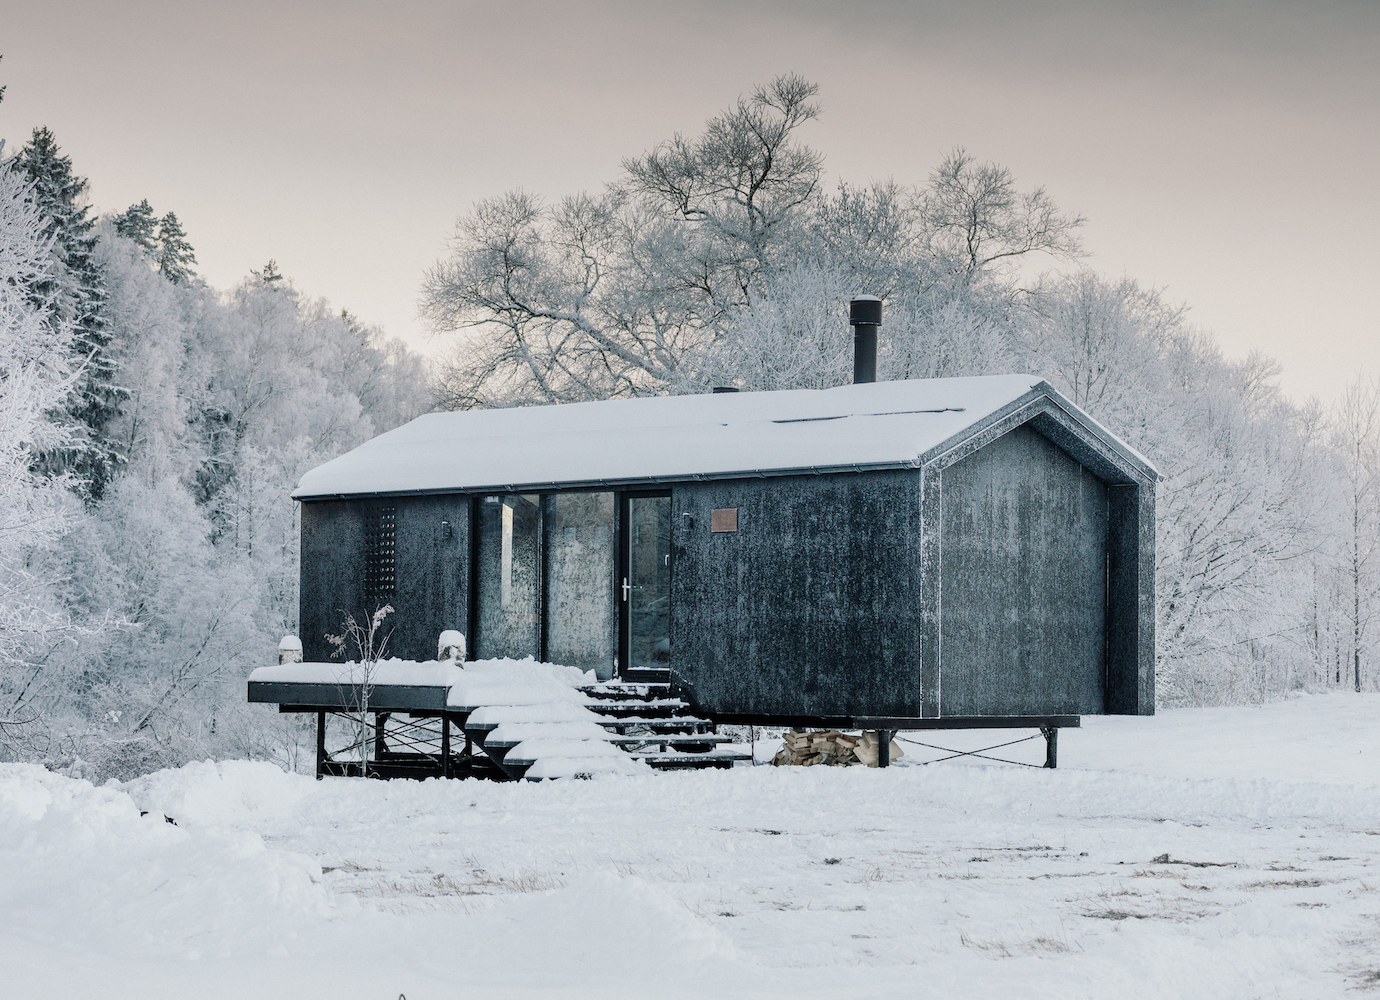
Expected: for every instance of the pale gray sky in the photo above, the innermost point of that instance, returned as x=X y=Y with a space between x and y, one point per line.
x=1224 y=151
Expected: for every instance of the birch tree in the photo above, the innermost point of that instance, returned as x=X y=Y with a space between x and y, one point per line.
x=1357 y=446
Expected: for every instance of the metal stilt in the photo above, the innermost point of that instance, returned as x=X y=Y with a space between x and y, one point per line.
x=1051 y=746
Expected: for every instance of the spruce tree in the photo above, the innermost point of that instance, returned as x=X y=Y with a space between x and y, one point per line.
x=139 y=224
x=76 y=290
x=270 y=275
x=175 y=254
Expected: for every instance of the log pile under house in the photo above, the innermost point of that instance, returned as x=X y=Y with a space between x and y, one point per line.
x=832 y=748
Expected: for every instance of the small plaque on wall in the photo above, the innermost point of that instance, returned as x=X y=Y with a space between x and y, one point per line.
x=723 y=519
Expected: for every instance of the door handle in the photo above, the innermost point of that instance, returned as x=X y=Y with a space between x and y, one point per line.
x=626 y=588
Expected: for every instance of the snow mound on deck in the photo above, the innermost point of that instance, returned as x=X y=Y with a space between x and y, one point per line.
x=430 y=673
x=516 y=732
x=427 y=673
x=556 y=711
x=537 y=748
x=517 y=682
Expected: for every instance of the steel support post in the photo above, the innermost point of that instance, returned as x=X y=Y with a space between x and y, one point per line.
x=1051 y=746
x=320 y=745
x=380 y=744
x=884 y=748
x=445 y=747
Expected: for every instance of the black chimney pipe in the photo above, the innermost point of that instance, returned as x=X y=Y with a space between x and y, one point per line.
x=865 y=314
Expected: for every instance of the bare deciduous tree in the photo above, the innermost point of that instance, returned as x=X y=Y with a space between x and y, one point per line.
x=975 y=217
x=607 y=295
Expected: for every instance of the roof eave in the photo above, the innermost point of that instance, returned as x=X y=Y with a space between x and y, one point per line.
x=635 y=482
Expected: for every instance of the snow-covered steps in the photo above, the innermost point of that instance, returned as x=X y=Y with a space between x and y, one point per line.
x=673 y=724
x=641 y=725
x=661 y=730
x=668 y=757
x=580 y=739
x=664 y=708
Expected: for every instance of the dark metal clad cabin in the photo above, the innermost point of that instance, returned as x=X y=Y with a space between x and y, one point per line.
x=882 y=555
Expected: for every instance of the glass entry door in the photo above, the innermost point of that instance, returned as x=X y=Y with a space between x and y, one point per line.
x=581 y=563
x=645 y=587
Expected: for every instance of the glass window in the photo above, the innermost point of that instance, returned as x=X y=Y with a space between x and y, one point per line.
x=649 y=582
x=508 y=563
x=580 y=610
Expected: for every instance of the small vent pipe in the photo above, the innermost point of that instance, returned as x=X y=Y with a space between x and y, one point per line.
x=865 y=315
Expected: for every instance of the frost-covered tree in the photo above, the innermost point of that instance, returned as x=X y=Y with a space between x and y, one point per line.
x=35 y=378
x=175 y=254
x=74 y=292
x=1356 y=445
x=151 y=320
x=1241 y=509
x=606 y=295
x=686 y=261
x=977 y=220
x=193 y=545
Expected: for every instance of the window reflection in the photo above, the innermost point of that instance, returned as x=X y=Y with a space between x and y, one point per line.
x=508 y=563
x=649 y=573
x=580 y=610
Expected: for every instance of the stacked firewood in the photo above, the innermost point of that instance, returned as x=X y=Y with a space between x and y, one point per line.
x=832 y=748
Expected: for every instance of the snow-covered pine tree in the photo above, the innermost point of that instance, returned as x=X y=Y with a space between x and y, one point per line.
x=75 y=290
x=139 y=225
x=175 y=254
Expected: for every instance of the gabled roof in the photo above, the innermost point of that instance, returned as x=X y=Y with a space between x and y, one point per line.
x=656 y=439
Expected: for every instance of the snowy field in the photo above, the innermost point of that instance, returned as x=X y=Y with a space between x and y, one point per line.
x=1200 y=853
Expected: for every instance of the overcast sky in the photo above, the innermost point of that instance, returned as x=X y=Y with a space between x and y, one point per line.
x=1225 y=152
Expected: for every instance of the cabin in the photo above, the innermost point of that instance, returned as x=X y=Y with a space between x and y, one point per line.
x=957 y=548
x=883 y=556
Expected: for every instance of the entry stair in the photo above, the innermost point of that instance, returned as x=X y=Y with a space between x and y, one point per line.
x=617 y=728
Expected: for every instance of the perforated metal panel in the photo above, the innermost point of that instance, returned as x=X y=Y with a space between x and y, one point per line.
x=380 y=554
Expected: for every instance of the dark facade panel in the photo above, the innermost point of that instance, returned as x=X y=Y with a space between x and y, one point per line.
x=433 y=587
x=428 y=587
x=811 y=606
x=1131 y=601
x=930 y=567
x=1023 y=582
x=332 y=571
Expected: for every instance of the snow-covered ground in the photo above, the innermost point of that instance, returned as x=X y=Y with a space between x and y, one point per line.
x=1201 y=853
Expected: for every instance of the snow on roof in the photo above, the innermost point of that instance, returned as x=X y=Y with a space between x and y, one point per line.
x=869 y=425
